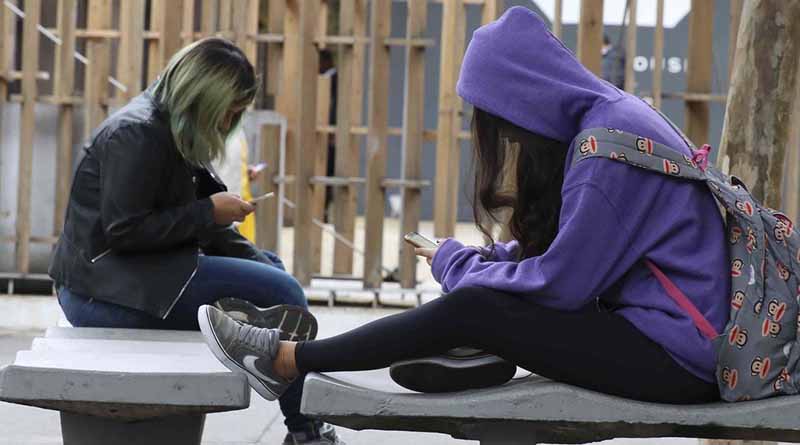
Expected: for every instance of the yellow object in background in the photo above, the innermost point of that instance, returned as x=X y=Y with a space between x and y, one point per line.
x=248 y=227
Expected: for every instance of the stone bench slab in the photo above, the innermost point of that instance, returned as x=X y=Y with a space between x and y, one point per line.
x=125 y=334
x=535 y=409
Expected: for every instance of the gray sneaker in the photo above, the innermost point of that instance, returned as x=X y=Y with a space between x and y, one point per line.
x=294 y=322
x=245 y=349
x=325 y=435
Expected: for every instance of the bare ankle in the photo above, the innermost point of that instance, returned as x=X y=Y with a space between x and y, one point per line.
x=285 y=364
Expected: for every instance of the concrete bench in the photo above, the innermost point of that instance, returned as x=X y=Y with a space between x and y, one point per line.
x=536 y=410
x=124 y=386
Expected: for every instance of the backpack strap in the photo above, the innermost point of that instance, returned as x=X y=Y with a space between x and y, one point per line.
x=640 y=152
x=647 y=154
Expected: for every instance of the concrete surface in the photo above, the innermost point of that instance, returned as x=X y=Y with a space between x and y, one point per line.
x=262 y=423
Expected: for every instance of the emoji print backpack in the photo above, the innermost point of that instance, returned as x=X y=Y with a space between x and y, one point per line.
x=757 y=352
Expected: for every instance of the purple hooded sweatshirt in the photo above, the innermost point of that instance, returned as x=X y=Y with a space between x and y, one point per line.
x=613 y=215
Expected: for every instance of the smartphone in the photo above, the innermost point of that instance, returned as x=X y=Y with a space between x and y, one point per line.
x=417 y=240
x=261 y=198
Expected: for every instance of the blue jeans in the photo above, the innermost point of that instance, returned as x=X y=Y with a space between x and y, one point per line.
x=216 y=277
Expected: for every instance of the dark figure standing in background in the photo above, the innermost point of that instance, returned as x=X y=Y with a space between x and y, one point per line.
x=613 y=63
x=327 y=67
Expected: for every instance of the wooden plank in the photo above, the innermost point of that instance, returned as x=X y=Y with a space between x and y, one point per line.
x=350 y=91
x=64 y=87
x=209 y=16
x=733 y=32
x=129 y=66
x=187 y=22
x=590 y=35
x=378 y=112
x=6 y=48
x=413 y=125
x=320 y=167
x=558 y=18
x=305 y=87
x=153 y=52
x=454 y=179
x=698 y=76
x=171 y=23
x=30 y=65
x=276 y=12
x=245 y=24
x=322 y=24
x=267 y=211
x=658 y=54
x=285 y=101
x=99 y=53
x=791 y=186
x=448 y=121
x=225 y=12
x=491 y=11
x=630 y=48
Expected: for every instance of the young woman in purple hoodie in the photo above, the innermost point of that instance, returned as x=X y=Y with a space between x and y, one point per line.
x=570 y=298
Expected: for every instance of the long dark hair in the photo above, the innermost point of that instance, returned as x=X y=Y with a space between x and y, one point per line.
x=534 y=197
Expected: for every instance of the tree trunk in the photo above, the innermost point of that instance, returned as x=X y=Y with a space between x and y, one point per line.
x=762 y=96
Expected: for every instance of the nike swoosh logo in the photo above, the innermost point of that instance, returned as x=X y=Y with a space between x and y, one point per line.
x=249 y=362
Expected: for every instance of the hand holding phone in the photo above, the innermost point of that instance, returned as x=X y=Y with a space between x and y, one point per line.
x=421 y=241
x=261 y=198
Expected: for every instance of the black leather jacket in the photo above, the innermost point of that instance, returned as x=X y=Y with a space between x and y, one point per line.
x=139 y=215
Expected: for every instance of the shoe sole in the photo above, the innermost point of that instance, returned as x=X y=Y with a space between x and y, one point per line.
x=294 y=323
x=213 y=343
x=445 y=374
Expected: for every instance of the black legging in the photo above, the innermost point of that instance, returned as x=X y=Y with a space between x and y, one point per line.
x=591 y=348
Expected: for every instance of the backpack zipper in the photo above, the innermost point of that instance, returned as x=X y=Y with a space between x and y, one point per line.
x=98 y=257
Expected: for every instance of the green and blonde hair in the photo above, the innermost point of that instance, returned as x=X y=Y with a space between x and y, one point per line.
x=200 y=84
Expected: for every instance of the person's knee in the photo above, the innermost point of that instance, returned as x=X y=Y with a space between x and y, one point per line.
x=294 y=294
x=467 y=298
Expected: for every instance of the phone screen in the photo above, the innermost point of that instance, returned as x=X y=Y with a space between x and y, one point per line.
x=418 y=240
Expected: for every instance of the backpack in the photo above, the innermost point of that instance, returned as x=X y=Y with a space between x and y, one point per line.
x=757 y=353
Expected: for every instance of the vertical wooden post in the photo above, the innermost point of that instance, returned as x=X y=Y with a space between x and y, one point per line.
x=492 y=10
x=305 y=87
x=224 y=15
x=153 y=52
x=245 y=25
x=558 y=18
x=352 y=22
x=320 y=167
x=378 y=112
x=448 y=122
x=791 y=186
x=98 y=51
x=413 y=126
x=187 y=23
x=130 y=59
x=267 y=211
x=453 y=180
x=30 y=66
x=658 y=54
x=763 y=96
x=209 y=16
x=285 y=101
x=733 y=30
x=170 y=40
x=698 y=77
x=6 y=47
x=590 y=35
x=64 y=85
x=277 y=12
x=630 y=48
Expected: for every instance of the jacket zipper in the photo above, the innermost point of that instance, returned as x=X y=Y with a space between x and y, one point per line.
x=185 y=285
x=98 y=257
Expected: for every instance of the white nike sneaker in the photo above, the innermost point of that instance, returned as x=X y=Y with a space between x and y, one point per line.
x=244 y=348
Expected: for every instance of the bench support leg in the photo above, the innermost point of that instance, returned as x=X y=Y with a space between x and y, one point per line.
x=79 y=429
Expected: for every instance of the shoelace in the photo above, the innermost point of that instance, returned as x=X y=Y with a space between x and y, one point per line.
x=258 y=338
